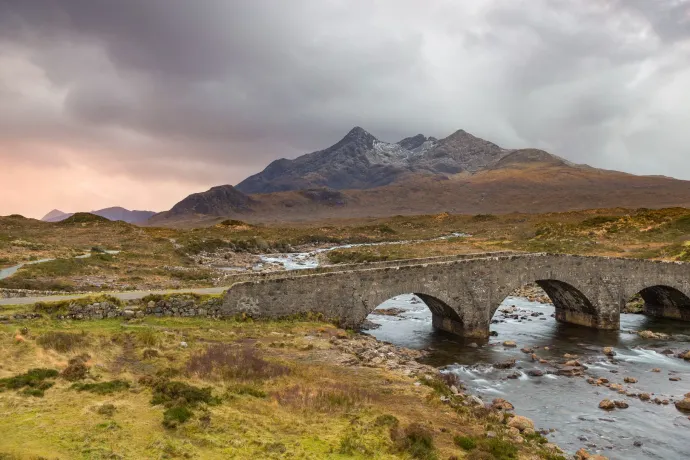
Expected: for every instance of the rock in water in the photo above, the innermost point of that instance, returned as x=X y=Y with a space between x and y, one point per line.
x=684 y=405
x=607 y=404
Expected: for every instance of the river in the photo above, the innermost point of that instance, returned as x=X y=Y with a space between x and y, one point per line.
x=569 y=405
x=310 y=259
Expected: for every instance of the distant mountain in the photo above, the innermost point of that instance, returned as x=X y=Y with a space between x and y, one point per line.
x=361 y=161
x=55 y=216
x=114 y=213
x=223 y=200
x=361 y=176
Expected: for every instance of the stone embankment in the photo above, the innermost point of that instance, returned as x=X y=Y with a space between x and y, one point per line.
x=183 y=305
x=19 y=293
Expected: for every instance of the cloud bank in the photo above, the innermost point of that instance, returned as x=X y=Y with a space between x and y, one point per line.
x=139 y=103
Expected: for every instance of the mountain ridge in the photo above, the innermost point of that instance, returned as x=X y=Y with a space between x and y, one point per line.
x=421 y=175
x=360 y=161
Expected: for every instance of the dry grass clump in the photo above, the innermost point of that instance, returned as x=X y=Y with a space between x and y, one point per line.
x=331 y=398
x=62 y=341
x=227 y=362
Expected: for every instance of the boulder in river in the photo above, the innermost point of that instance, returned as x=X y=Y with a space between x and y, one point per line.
x=630 y=380
x=535 y=373
x=656 y=369
x=652 y=335
x=608 y=351
x=521 y=423
x=569 y=371
x=607 y=404
x=621 y=404
x=645 y=397
x=684 y=405
x=502 y=405
x=388 y=311
x=505 y=365
x=582 y=454
x=509 y=344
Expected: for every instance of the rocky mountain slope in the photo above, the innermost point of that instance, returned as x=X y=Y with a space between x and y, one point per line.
x=361 y=161
x=113 y=213
x=363 y=177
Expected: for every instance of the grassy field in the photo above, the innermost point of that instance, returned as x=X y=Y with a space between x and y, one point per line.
x=197 y=388
x=159 y=258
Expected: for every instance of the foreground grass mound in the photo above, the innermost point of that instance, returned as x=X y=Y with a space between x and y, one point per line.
x=284 y=389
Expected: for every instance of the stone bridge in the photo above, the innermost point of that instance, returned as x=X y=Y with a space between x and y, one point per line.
x=464 y=293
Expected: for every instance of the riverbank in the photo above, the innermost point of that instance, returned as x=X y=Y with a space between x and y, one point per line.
x=201 y=388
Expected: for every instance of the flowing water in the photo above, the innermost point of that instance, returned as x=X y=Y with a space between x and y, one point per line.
x=567 y=404
x=310 y=259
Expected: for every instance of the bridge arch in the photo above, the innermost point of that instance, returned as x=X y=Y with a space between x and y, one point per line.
x=666 y=302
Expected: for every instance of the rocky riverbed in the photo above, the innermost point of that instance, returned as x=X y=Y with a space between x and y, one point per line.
x=627 y=391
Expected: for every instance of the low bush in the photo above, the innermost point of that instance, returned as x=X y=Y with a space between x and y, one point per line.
x=500 y=449
x=249 y=390
x=179 y=393
x=465 y=442
x=34 y=382
x=102 y=388
x=76 y=368
x=179 y=399
x=176 y=415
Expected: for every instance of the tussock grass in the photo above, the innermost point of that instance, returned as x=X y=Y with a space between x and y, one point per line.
x=62 y=341
x=229 y=362
x=416 y=440
x=328 y=399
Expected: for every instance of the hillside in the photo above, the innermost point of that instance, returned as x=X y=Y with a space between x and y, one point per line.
x=540 y=185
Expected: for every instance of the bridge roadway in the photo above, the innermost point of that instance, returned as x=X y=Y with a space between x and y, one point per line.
x=463 y=293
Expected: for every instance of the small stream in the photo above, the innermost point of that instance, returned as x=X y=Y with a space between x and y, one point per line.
x=310 y=259
x=567 y=404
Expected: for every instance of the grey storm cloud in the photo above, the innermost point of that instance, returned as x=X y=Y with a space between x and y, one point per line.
x=210 y=91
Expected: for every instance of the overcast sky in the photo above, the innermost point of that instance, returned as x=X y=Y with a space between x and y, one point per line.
x=139 y=103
